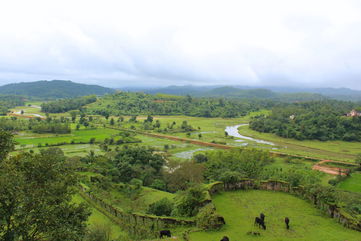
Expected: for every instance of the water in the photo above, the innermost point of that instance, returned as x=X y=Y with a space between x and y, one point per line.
x=189 y=154
x=233 y=131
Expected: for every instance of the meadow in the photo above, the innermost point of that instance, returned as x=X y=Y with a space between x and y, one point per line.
x=239 y=208
x=352 y=183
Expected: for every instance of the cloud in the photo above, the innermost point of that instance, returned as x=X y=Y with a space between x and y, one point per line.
x=140 y=42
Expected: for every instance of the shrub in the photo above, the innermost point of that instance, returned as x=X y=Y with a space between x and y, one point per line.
x=163 y=207
x=208 y=219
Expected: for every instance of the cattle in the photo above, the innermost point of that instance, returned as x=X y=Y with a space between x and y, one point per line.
x=225 y=238
x=163 y=233
x=253 y=233
x=262 y=216
x=287 y=221
x=259 y=222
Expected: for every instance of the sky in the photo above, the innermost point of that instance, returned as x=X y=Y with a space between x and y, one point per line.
x=307 y=43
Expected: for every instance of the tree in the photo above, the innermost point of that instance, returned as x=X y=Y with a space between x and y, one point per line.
x=111 y=121
x=162 y=207
x=35 y=198
x=73 y=115
x=189 y=202
x=226 y=134
x=6 y=144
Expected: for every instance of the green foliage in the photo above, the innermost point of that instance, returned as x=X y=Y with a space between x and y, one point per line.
x=6 y=144
x=322 y=120
x=248 y=163
x=189 y=202
x=53 y=89
x=208 y=219
x=163 y=207
x=98 y=233
x=124 y=103
x=35 y=198
x=9 y=101
x=64 y=105
x=137 y=162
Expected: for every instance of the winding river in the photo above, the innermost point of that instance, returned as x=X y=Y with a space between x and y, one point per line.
x=233 y=131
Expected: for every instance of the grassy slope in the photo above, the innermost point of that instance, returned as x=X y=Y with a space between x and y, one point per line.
x=352 y=183
x=307 y=223
x=99 y=219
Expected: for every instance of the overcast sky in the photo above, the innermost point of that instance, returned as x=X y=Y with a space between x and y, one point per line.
x=123 y=43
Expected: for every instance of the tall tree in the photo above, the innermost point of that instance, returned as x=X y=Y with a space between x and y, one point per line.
x=35 y=198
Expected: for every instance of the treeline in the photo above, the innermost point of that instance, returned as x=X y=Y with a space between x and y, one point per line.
x=9 y=101
x=64 y=105
x=319 y=120
x=35 y=125
x=124 y=103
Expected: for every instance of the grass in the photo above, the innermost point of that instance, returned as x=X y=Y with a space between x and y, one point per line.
x=98 y=219
x=82 y=135
x=352 y=184
x=336 y=150
x=239 y=208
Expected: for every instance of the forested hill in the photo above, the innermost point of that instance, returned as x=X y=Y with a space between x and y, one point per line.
x=237 y=93
x=318 y=120
x=53 y=89
x=127 y=103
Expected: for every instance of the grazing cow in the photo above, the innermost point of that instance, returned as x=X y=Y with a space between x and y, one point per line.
x=287 y=221
x=259 y=222
x=225 y=238
x=253 y=233
x=164 y=233
x=262 y=216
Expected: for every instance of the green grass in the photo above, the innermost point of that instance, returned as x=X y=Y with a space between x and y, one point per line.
x=239 y=209
x=335 y=150
x=99 y=219
x=82 y=135
x=352 y=183
x=133 y=202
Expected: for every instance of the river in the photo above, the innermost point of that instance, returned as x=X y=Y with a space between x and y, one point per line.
x=233 y=131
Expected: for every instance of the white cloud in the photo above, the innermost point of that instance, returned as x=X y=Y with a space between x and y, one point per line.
x=119 y=43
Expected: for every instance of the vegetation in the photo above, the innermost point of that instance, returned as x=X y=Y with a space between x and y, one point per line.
x=311 y=121
x=9 y=101
x=54 y=89
x=64 y=105
x=239 y=208
x=48 y=181
x=139 y=103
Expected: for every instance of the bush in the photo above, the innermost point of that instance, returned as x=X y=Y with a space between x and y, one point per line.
x=98 y=233
x=163 y=207
x=189 y=202
x=208 y=219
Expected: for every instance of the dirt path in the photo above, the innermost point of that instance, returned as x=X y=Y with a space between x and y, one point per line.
x=332 y=170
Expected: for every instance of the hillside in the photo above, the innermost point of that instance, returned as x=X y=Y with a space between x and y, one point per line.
x=239 y=93
x=54 y=89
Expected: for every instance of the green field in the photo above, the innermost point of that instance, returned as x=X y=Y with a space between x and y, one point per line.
x=98 y=219
x=335 y=150
x=239 y=208
x=352 y=184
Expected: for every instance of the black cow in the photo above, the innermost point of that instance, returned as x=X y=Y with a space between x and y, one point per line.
x=259 y=222
x=225 y=238
x=166 y=233
x=287 y=221
x=262 y=216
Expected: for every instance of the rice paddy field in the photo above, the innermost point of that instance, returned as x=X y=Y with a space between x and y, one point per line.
x=239 y=208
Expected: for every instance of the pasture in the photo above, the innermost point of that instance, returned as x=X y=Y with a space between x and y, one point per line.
x=239 y=208
x=352 y=183
x=335 y=150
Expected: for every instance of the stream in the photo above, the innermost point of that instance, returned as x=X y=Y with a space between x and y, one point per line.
x=233 y=131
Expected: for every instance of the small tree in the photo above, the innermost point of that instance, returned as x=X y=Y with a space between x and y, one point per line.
x=163 y=207
x=111 y=121
x=226 y=134
x=199 y=136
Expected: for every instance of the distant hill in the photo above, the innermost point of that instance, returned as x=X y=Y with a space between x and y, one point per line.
x=238 y=93
x=54 y=89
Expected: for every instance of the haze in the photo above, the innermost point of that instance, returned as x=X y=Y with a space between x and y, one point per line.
x=135 y=43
